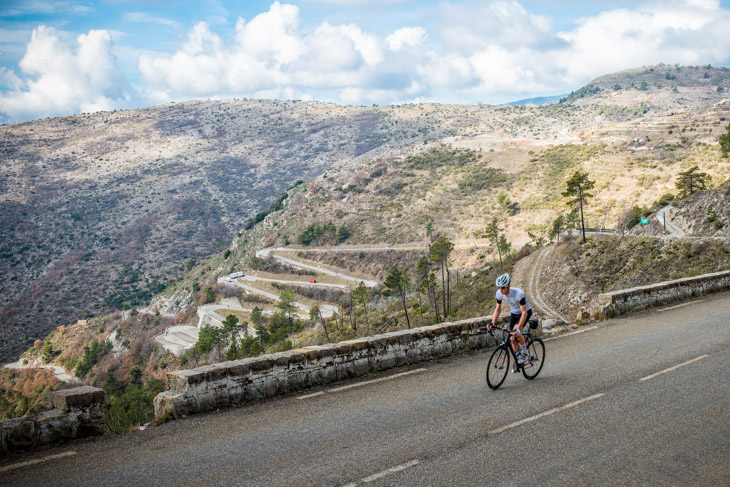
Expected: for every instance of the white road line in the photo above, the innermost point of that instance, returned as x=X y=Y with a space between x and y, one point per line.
x=37 y=461
x=382 y=474
x=394 y=376
x=542 y=415
x=563 y=335
x=680 y=305
x=674 y=368
x=364 y=383
x=308 y=396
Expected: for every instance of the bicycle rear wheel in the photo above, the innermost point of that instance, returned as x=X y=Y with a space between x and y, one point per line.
x=497 y=367
x=536 y=353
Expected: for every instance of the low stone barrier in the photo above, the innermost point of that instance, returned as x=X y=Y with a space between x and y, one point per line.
x=240 y=381
x=620 y=302
x=76 y=413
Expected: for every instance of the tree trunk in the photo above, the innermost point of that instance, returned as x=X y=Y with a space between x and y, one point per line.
x=435 y=303
x=443 y=287
x=448 y=290
x=582 y=222
x=499 y=252
x=405 y=308
x=367 y=319
x=324 y=325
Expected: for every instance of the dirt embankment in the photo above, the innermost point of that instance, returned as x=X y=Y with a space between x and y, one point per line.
x=574 y=273
x=706 y=214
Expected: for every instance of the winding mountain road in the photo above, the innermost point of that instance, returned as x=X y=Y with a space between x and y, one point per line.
x=182 y=338
x=534 y=285
x=674 y=230
x=58 y=372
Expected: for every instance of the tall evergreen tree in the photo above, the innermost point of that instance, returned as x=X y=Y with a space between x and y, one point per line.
x=725 y=142
x=231 y=329
x=257 y=318
x=440 y=252
x=361 y=297
x=397 y=283
x=492 y=232
x=691 y=181
x=286 y=305
x=578 y=187
x=315 y=315
x=558 y=226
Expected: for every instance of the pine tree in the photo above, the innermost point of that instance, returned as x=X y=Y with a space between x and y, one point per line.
x=691 y=181
x=397 y=283
x=725 y=143
x=577 y=190
x=286 y=305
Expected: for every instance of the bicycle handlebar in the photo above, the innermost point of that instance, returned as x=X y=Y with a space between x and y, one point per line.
x=499 y=328
x=511 y=332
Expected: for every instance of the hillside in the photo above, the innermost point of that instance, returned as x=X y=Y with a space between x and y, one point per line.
x=100 y=212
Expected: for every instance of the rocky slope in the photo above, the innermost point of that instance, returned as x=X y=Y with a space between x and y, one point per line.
x=100 y=211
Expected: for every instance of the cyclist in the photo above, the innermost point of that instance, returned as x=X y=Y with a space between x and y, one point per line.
x=520 y=312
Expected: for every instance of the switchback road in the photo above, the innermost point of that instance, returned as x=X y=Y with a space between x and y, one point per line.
x=643 y=400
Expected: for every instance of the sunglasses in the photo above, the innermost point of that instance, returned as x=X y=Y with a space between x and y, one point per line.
x=506 y=287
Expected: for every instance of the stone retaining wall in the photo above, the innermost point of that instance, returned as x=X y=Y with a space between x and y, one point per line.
x=620 y=302
x=76 y=413
x=240 y=381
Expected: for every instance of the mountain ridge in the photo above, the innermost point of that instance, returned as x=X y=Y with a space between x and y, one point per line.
x=100 y=211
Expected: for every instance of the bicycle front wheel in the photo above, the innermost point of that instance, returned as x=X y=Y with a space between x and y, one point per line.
x=497 y=367
x=536 y=358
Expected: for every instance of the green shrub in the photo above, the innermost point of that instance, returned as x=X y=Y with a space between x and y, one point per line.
x=130 y=407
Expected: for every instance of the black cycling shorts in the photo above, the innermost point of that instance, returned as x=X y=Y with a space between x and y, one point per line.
x=514 y=318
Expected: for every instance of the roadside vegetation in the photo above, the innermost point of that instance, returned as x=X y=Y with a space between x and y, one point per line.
x=25 y=391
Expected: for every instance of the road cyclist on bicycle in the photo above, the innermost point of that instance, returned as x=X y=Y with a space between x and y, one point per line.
x=520 y=312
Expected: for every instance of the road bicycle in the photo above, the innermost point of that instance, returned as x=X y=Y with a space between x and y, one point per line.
x=498 y=365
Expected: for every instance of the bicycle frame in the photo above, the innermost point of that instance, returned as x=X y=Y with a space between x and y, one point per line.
x=509 y=335
x=498 y=363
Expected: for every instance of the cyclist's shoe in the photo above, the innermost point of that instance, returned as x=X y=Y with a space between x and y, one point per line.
x=515 y=368
x=521 y=358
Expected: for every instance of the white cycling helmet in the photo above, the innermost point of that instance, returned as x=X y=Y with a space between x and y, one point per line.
x=503 y=280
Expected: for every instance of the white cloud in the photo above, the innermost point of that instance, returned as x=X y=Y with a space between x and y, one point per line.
x=272 y=34
x=452 y=71
x=9 y=80
x=368 y=45
x=683 y=32
x=478 y=51
x=65 y=78
x=406 y=37
x=514 y=52
x=477 y=25
x=269 y=55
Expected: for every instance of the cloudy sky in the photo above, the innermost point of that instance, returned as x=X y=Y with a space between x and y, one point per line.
x=60 y=57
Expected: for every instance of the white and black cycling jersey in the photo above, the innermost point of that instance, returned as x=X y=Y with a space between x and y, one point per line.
x=515 y=298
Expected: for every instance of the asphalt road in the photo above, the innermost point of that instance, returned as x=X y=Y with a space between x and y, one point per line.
x=643 y=400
